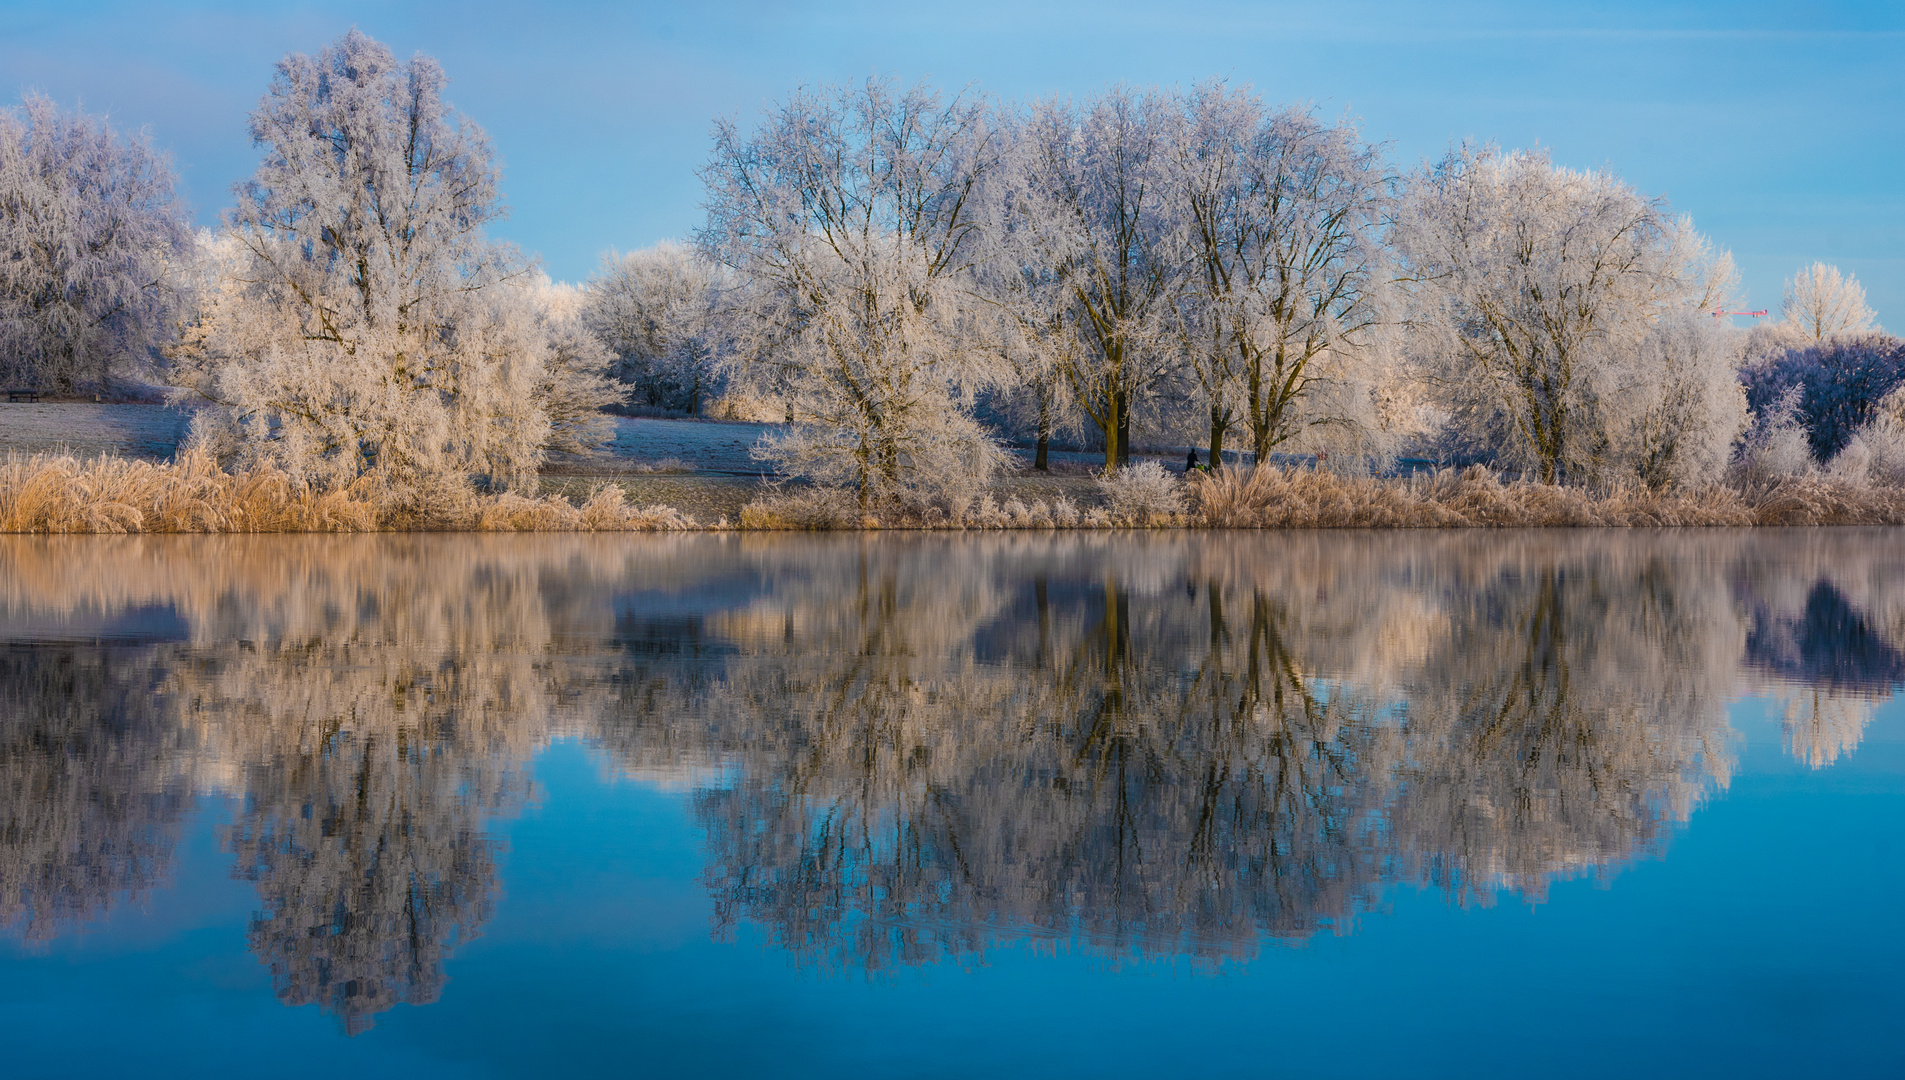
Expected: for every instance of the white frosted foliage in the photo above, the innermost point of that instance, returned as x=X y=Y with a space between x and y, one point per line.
x=663 y=312
x=363 y=325
x=90 y=231
x=852 y=213
x=1283 y=300
x=1820 y=301
x=1549 y=307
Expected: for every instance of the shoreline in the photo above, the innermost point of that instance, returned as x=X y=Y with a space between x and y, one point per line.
x=59 y=494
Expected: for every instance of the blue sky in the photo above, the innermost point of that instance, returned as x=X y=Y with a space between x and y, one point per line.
x=1779 y=126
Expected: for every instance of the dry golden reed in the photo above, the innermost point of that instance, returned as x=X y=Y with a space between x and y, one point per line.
x=1477 y=498
x=59 y=493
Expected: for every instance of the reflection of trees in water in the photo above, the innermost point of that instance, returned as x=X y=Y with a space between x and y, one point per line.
x=1818 y=726
x=92 y=786
x=1184 y=768
x=378 y=718
x=363 y=821
x=1574 y=714
x=1827 y=644
x=897 y=802
x=918 y=745
x=1827 y=666
x=372 y=705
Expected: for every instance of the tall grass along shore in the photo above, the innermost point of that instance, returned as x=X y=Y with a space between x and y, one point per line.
x=60 y=493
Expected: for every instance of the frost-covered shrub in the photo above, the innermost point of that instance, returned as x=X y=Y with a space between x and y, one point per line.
x=1775 y=446
x=1839 y=382
x=1064 y=512
x=1142 y=494
x=941 y=457
x=810 y=509
x=1015 y=513
x=1874 y=455
x=741 y=403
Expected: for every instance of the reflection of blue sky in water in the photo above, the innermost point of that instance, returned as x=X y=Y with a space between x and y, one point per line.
x=571 y=912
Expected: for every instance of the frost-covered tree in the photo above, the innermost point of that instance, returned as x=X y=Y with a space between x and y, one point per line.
x=572 y=386
x=1819 y=301
x=1679 y=421
x=1035 y=350
x=90 y=228
x=369 y=328
x=1096 y=238
x=1028 y=306
x=662 y=312
x=1535 y=289
x=852 y=211
x=1281 y=215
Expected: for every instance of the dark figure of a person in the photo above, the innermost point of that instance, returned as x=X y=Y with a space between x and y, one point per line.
x=1190 y=466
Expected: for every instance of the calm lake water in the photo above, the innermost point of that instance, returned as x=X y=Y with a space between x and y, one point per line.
x=1568 y=803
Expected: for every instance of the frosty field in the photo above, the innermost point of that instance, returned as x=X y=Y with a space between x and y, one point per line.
x=701 y=467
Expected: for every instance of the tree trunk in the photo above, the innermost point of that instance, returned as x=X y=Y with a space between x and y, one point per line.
x=1124 y=430
x=1039 y=456
x=1259 y=422
x=1219 y=424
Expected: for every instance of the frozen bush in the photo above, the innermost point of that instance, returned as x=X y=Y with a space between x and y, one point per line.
x=810 y=509
x=1142 y=494
x=744 y=404
x=1064 y=512
x=1874 y=455
x=1776 y=445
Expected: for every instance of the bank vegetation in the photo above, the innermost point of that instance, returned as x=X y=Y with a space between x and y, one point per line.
x=54 y=494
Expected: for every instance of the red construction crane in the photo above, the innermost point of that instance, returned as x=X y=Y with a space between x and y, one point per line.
x=1755 y=314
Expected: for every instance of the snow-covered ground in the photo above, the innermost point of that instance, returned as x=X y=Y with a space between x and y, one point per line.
x=715 y=478
x=701 y=445
x=154 y=432
x=86 y=430
x=639 y=443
